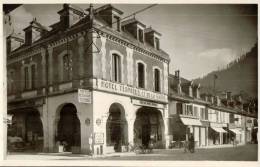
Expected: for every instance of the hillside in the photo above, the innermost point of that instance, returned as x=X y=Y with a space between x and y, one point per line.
x=240 y=76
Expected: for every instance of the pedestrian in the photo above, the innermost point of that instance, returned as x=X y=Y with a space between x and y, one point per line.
x=191 y=143
x=186 y=145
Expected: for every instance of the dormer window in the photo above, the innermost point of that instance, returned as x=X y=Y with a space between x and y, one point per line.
x=141 y=35
x=157 y=43
x=117 y=25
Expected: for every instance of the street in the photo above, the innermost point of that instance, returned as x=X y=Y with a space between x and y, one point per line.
x=240 y=153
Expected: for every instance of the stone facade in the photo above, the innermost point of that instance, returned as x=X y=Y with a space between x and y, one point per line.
x=82 y=57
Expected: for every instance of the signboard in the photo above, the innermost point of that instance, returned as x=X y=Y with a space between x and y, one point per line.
x=218 y=125
x=84 y=96
x=99 y=138
x=130 y=91
x=147 y=103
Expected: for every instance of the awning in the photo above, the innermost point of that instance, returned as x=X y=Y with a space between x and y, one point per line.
x=236 y=131
x=190 y=121
x=219 y=130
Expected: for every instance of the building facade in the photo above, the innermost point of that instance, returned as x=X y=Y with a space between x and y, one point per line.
x=212 y=120
x=93 y=83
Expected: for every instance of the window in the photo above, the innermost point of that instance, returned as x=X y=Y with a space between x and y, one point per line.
x=116 y=68
x=33 y=73
x=157 y=43
x=202 y=113
x=188 y=110
x=67 y=68
x=206 y=114
x=195 y=112
x=10 y=82
x=141 y=75
x=156 y=80
x=26 y=78
x=141 y=35
x=179 y=108
x=217 y=116
x=117 y=25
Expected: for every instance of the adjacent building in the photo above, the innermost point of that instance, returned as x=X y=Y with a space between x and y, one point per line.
x=212 y=119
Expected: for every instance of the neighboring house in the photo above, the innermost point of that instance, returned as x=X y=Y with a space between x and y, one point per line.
x=213 y=120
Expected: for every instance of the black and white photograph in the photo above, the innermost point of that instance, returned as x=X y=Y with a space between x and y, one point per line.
x=133 y=83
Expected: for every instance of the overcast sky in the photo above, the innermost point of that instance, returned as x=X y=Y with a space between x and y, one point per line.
x=198 y=38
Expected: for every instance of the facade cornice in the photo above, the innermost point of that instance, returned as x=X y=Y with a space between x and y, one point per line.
x=126 y=43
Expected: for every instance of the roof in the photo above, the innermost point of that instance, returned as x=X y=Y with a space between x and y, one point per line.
x=122 y=35
x=36 y=24
x=108 y=6
x=132 y=20
x=150 y=29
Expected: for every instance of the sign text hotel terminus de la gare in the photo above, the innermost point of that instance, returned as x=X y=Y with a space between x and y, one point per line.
x=131 y=91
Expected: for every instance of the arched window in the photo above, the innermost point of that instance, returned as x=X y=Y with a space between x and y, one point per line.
x=116 y=68
x=67 y=68
x=157 y=80
x=141 y=75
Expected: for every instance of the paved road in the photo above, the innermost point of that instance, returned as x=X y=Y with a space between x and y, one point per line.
x=240 y=153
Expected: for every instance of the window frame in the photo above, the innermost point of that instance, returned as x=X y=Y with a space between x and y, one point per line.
x=158 y=86
x=119 y=64
x=144 y=74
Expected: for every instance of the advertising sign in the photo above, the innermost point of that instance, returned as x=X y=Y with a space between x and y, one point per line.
x=84 y=96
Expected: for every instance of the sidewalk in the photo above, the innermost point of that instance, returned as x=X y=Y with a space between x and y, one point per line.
x=70 y=156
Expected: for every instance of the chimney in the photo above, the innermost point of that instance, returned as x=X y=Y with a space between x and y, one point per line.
x=34 y=32
x=217 y=101
x=13 y=42
x=177 y=75
x=229 y=97
x=111 y=15
x=190 y=89
x=69 y=15
x=152 y=37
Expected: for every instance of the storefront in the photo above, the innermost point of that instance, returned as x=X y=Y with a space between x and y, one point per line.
x=217 y=134
x=192 y=125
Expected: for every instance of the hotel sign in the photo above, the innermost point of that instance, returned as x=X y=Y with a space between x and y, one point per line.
x=130 y=91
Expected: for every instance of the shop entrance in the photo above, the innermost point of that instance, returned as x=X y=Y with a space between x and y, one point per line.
x=26 y=131
x=116 y=127
x=69 y=127
x=148 y=127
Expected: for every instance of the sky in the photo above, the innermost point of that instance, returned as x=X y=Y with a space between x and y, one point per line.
x=199 y=38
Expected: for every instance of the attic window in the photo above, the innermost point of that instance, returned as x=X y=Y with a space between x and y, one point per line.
x=157 y=43
x=117 y=23
x=141 y=35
